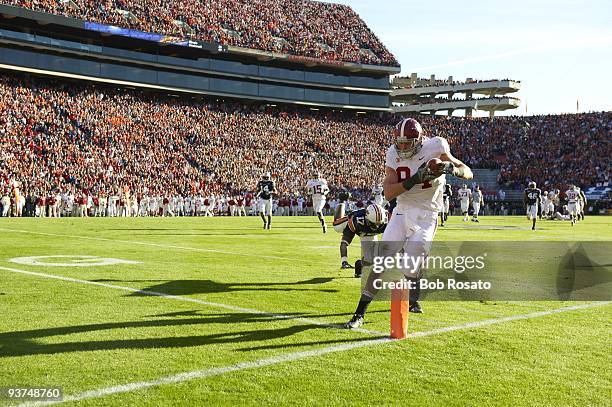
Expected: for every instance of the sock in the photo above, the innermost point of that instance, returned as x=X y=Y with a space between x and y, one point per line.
x=263 y=217
x=364 y=303
x=534 y=221
x=269 y=219
x=415 y=293
x=343 y=251
x=343 y=259
x=320 y=217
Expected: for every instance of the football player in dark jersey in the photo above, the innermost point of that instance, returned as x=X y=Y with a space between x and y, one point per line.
x=365 y=223
x=448 y=193
x=265 y=190
x=532 y=199
x=583 y=204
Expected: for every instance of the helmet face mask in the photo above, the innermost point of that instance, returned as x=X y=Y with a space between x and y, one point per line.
x=267 y=175
x=408 y=138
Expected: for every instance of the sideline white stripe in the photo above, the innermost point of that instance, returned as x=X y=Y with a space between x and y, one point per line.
x=306 y=321
x=164 y=246
x=182 y=377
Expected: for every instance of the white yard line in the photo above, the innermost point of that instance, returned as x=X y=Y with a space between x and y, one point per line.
x=163 y=246
x=197 y=374
x=306 y=321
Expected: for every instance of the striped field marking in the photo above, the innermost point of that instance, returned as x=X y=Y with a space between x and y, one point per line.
x=290 y=357
x=163 y=246
x=306 y=321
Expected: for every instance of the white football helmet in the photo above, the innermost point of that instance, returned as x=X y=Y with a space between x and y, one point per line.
x=376 y=214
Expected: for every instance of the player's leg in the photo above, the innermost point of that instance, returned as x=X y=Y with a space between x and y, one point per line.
x=318 y=208
x=339 y=211
x=464 y=210
x=368 y=252
x=533 y=214
x=476 y=207
x=268 y=209
x=392 y=241
x=261 y=209
x=347 y=238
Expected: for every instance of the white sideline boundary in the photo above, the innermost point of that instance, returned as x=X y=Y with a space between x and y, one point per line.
x=163 y=246
x=197 y=374
x=219 y=305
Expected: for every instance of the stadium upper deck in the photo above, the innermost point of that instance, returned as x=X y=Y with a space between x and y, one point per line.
x=324 y=31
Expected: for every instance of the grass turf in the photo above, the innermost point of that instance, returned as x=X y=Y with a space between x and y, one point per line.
x=84 y=337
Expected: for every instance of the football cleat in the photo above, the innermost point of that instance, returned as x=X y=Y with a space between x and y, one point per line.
x=346 y=265
x=415 y=308
x=355 y=322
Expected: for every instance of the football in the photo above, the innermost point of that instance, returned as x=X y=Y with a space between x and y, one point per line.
x=434 y=165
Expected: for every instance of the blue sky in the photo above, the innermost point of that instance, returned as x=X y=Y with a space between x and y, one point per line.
x=561 y=50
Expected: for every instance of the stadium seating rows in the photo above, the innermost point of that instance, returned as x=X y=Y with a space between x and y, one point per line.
x=326 y=31
x=98 y=137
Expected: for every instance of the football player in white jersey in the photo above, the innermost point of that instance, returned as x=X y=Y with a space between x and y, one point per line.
x=582 y=201
x=544 y=212
x=573 y=196
x=378 y=195
x=415 y=176
x=477 y=202
x=465 y=194
x=318 y=189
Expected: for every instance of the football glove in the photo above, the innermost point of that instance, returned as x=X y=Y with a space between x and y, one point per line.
x=422 y=175
x=450 y=169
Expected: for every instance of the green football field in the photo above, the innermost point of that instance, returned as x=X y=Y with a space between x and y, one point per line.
x=217 y=311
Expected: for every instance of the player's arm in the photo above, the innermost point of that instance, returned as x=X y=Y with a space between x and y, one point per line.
x=458 y=168
x=391 y=187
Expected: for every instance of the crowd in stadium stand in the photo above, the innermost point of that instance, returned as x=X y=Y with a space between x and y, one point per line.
x=93 y=139
x=427 y=82
x=325 y=31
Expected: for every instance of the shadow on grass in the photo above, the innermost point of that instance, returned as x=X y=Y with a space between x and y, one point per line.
x=31 y=342
x=189 y=287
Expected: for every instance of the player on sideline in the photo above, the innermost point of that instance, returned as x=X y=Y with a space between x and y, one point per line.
x=532 y=199
x=583 y=203
x=378 y=196
x=446 y=196
x=409 y=178
x=573 y=196
x=318 y=189
x=477 y=202
x=544 y=213
x=366 y=223
x=464 y=195
x=265 y=189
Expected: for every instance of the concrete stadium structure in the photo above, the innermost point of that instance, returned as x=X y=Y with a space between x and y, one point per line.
x=416 y=95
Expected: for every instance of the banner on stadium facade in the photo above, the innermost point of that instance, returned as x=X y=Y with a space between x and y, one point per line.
x=159 y=38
